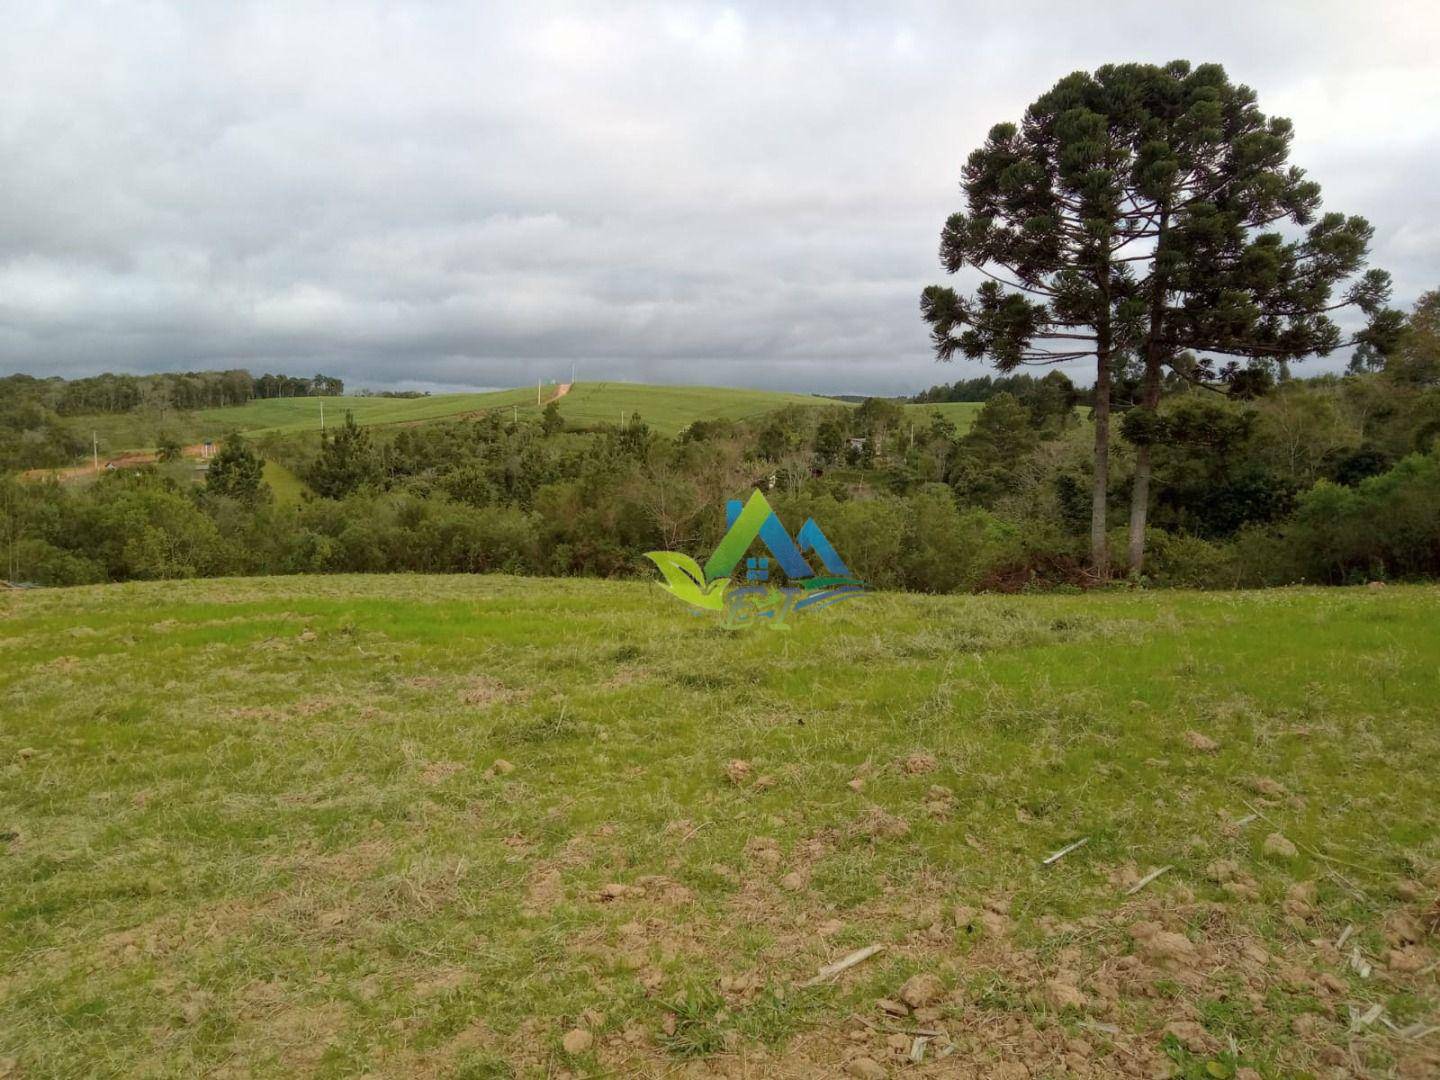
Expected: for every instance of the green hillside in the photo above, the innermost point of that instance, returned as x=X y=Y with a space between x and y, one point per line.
x=506 y=827
x=139 y=430
x=286 y=487
x=960 y=413
x=281 y=415
x=667 y=409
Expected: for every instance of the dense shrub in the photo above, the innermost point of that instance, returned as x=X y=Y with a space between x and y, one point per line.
x=1385 y=526
x=1176 y=560
x=1304 y=483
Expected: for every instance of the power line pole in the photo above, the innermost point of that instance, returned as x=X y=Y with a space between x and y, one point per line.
x=95 y=448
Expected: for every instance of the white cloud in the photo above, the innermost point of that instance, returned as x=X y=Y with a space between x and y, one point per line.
x=449 y=192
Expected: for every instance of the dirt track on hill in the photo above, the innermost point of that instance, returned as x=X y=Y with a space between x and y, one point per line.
x=128 y=460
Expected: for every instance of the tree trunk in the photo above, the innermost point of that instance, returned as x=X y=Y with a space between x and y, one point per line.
x=1100 y=415
x=1149 y=399
x=1140 y=493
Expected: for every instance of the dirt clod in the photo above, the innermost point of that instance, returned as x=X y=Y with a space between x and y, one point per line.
x=1277 y=847
x=879 y=824
x=864 y=1068
x=1223 y=870
x=1203 y=743
x=1300 y=900
x=1267 y=788
x=1163 y=946
x=918 y=763
x=738 y=771
x=1062 y=993
x=577 y=1041
x=1402 y=928
x=1192 y=1036
x=1406 y=961
x=922 y=990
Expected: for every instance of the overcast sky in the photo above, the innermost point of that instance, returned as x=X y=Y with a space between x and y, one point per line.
x=443 y=195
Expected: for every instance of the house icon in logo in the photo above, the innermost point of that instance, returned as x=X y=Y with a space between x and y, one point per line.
x=711 y=588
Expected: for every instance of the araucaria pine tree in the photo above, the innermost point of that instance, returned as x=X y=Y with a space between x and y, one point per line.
x=1043 y=203
x=1130 y=215
x=1219 y=290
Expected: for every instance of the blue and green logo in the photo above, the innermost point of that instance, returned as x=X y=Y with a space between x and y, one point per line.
x=713 y=588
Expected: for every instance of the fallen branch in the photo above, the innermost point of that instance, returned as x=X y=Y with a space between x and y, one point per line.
x=876 y=1025
x=1151 y=876
x=917 y=1049
x=1359 y=1020
x=1065 y=851
x=843 y=964
x=1359 y=963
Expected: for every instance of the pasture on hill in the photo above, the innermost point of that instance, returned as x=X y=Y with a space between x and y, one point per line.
x=141 y=429
x=495 y=826
x=666 y=409
x=287 y=415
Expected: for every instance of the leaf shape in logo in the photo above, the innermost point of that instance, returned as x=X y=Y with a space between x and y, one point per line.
x=685 y=580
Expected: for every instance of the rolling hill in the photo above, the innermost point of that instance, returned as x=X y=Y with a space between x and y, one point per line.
x=666 y=409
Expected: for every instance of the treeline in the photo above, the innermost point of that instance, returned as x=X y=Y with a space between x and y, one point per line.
x=110 y=393
x=1330 y=480
x=32 y=411
x=984 y=387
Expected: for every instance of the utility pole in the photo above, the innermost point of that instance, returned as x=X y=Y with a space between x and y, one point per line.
x=537 y=391
x=322 y=414
x=95 y=448
x=572 y=372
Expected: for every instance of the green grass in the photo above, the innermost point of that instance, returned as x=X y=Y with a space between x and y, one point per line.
x=141 y=430
x=960 y=413
x=286 y=486
x=257 y=827
x=119 y=432
x=667 y=409
x=285 y=415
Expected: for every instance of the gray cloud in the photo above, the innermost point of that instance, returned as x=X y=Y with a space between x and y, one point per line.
x=450 y=194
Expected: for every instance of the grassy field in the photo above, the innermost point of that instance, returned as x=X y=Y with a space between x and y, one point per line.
x=119 y=432
x=284 y=484
x=140 y=430
x=283 y=415
x=960 y=413
x=666 y=409
x=486 y=827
